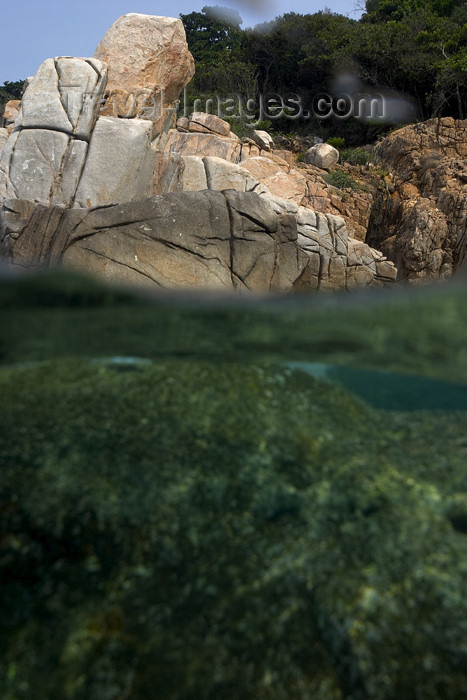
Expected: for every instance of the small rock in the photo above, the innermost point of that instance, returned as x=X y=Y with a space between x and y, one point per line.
x=262 y=139
x=323 y=156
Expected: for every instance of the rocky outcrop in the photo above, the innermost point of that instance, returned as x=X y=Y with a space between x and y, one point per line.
x=136 y=201
x=149 y=65
x=208 y=240
x=64 y=152
x=420 y=222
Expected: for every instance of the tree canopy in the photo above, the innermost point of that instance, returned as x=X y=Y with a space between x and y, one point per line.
x=414 y=48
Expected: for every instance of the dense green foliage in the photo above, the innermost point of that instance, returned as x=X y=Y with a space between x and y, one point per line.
x=11 y=91
x=405 y=47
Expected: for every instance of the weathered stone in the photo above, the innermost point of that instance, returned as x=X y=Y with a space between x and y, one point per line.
x=64 y=96
x=420 y=222
x=11 y=111
x=41 y=165
x=168 y=173
x=357 y=277
x=31 y=235
x=262 y=139
x=208 y=123
x=3 y=139
x=119 y=165
x=323 y=156
x=285 y=155
x=280 y=162
x=194 y=174
x=203 y=145
x=207 y=240
x=387 y=270
x=222 y=175
x=285 y=186
x=259 y=167
x=282 y=206
x=183 y=124
x=147 y=54
x=263 y=262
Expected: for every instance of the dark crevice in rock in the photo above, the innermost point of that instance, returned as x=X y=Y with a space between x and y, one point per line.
x=232 y=240
x=74 y=137
x=61 y=93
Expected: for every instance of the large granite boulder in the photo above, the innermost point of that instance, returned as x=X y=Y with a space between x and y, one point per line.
x=44 y=157
x=119 y=165
x=62 y=153
x=65 y=96
x=262 y=139
x=420 y=222
x=149 y=65
x=206 y=240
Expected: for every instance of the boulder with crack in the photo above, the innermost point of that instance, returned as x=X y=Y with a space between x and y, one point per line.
x=206 y=239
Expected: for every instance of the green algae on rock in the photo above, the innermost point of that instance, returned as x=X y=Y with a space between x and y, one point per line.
x=199 y=530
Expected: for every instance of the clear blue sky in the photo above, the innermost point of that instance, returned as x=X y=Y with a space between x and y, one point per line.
x=33 y=30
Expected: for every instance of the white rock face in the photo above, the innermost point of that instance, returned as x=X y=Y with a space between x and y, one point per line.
x=43 y=159
x=41 y=165
x=147 y=55
x=323 y=156
x=65 y=95
x=119 y=164
x=3 y=139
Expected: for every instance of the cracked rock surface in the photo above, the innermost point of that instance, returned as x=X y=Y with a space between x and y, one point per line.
x=62 y=153
x=206 y=240
x=421 y=225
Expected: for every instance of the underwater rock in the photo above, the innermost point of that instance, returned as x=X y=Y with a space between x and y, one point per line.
x=190 y=529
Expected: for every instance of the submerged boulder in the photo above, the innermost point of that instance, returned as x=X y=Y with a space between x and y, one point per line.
x=192 y=529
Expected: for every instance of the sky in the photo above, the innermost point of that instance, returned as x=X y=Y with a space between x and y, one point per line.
x=33 y=30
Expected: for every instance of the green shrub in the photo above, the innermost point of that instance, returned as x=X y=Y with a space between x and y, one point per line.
x=336 y=141
x=356 y=156
x=341 y=180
